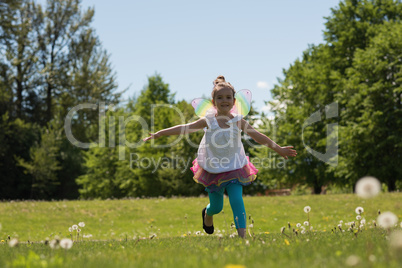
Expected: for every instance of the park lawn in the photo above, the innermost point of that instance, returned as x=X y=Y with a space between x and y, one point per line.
x=121 y=232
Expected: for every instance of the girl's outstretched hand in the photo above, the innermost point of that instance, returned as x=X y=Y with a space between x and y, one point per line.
x=152 y=136
x=287 y=151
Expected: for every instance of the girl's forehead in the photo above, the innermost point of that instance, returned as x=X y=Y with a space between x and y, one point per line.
x=224 y=91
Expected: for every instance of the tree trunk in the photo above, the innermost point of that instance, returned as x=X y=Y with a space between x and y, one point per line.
x=49 y=103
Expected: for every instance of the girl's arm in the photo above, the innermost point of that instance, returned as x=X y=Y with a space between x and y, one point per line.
x=179 y=129
x=264 y=140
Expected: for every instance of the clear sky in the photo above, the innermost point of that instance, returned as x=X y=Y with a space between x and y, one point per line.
x=189 y=43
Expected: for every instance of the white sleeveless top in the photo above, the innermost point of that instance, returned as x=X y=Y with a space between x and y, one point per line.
x=221 y=149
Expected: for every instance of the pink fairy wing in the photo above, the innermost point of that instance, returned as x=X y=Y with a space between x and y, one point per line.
x=201 y=106
x=243 y=102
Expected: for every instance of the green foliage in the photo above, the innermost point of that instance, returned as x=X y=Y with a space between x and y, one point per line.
x=43 y=164
x=52 y=62
x=373 y=109
x=358 y=71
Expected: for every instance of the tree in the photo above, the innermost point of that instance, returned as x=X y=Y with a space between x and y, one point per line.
x=315 y=83
x=373 y=109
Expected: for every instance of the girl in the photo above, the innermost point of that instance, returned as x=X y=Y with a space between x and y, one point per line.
x=221 y=162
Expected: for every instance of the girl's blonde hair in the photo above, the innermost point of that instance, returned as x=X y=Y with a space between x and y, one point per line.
x=219 y=83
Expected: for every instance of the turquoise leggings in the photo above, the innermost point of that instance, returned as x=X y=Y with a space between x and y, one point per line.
x=235 y=192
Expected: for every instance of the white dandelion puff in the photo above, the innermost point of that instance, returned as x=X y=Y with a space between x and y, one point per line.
x=363 y=221
x=81 y=224
x=368 y=187
x=387 y=219
x=66 y=243
x=13 y=242
x=341 y=221
x=87 y=236
x=298 y=225
x=70 y=229
x=359 y=210
x=54 y=244
x=307 y=209
x=358 y=217
x=306 y=223
x=283 y=230
x=303 y=231
x=74 y=227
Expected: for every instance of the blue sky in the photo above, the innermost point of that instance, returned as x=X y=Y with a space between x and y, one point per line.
x=189 y=43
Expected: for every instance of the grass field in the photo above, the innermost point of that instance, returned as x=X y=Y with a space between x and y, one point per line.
x=168 y=233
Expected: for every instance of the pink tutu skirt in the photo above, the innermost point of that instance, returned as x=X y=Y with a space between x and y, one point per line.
x=215 y=182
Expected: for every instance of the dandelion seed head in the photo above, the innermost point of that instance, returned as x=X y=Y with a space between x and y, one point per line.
x=387 y=220
x=66 y=243
x=283 y=230
x=306 y=223
x=307 y=209
x=13 y=243
x=368 y=187
x=341 y=221
x=251 y=225
x=81 y=224
x=359 y=210
x=298 y=225
x=70 y=229
x=358 y=217
x=54 y=244
x=74 y=227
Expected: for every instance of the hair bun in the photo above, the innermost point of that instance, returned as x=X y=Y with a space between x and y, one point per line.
x=219 y=79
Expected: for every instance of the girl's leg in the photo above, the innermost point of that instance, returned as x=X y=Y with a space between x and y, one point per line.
x=214 y=207
x=235 y=192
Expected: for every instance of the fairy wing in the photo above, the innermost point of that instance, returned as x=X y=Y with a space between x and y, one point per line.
x=243 y=102
x=201 y=106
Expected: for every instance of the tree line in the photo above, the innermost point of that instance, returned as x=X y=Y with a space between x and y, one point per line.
x=339 y=105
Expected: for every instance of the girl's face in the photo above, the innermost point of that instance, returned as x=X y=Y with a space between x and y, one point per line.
x=224 y=100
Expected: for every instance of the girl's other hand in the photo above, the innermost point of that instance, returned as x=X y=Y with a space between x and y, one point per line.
x=287 y=151
x=152 y=136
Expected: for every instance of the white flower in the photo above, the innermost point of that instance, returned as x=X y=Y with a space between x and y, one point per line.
x=87 y=236
x=361 y=226
x=283 y=230
x=359 y=210
x=363 y=221
x=54 y=244
x=387 y=219
x=13 y=242
x=75 y=227
x=81 y=224
x=340 y=226
x=368 y=187
x=311 y=228
x=70 y=229
x=395 y=240
x=306 y=223
x=341 y=221
x=307 y=209
x=303 y=231
x=251 y=225
x=247 y=243
x=298 y=225
x=78 y=230
x=66 y=243
x=197 y=233
x=358 y=217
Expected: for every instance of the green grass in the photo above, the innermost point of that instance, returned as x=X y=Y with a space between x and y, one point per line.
x=119 y=226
